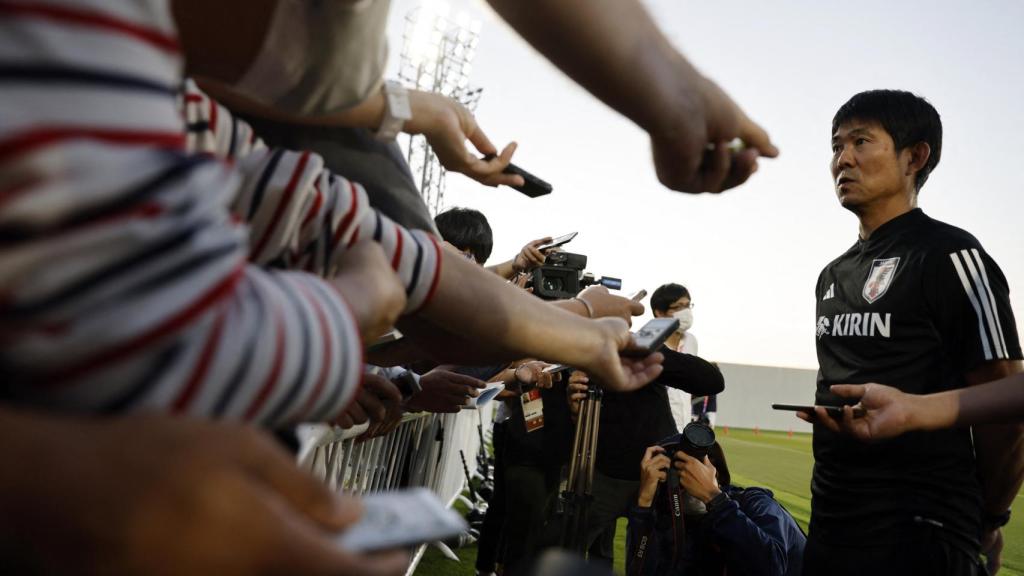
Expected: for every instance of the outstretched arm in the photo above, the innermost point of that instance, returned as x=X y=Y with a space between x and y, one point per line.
x=614 y=49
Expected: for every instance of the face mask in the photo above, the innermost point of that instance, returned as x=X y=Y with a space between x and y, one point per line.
x=685 y=317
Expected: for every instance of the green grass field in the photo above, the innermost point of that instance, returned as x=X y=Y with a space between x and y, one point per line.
x=771 y=459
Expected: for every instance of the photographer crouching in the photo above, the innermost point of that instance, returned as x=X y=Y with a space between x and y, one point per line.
x=690 y=519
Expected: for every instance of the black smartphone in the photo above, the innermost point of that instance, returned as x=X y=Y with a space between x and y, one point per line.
x=556 y=242
x=532 y=186
x=650 y=338
x=833 y=411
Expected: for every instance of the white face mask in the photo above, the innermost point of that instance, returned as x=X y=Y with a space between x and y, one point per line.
x=685 y=317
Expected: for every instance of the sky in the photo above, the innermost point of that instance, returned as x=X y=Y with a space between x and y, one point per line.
x=750 y=256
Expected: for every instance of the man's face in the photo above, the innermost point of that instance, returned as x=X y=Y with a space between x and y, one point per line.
x=865 y=166
x=674 y=307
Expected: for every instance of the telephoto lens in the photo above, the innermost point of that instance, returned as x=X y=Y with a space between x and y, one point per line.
x=697 y=439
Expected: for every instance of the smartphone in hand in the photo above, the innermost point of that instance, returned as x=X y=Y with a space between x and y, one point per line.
x=532 y=186
x=556 y=242
x=650 y=338
x=833 y=411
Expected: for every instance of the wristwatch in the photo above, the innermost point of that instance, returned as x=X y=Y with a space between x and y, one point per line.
x=397 y=111
x=408 y=383
x=718 y=500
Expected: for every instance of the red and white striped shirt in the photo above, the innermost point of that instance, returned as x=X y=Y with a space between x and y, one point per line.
x=126 y=279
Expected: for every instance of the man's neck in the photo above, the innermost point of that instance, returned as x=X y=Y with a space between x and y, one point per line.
x=874 y=216
x=673 y=340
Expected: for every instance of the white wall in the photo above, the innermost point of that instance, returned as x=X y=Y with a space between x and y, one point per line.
x=750 y=392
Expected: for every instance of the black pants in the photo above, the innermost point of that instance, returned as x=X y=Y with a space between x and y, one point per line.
x=917 y=551
x=612 y=498
x=529 y=493
x=490 y=532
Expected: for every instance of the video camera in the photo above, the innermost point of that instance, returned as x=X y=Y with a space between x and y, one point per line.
x=562 y=277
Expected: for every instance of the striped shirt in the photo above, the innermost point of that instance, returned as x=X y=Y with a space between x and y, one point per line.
x=128 y=276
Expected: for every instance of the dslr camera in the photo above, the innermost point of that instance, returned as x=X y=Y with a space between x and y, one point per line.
x=562 y=277
x=695 y=440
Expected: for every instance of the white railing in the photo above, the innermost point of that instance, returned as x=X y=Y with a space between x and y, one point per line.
x=422 y=451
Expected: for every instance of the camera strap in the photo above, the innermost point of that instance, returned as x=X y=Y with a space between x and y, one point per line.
x=674 y=494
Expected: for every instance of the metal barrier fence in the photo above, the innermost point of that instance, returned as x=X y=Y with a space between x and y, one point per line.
x=422 y=451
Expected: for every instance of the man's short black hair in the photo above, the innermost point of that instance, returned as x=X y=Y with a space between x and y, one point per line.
x=907 y=118
x=666 y=294
x=467 y=229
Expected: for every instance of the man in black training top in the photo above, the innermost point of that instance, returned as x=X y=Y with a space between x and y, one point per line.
x=919 y=304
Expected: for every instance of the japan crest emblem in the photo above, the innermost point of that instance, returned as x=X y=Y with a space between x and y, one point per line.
x=879 y=279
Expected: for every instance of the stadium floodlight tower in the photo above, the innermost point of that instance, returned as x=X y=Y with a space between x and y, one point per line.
x=437 y=56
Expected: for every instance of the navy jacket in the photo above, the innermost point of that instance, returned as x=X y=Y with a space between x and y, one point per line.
x=751 y=534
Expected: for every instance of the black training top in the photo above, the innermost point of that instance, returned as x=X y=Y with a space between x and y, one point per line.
x=916 y=306
x=632 y=421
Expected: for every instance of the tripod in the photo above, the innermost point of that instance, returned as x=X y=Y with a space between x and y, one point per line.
x=578 y=493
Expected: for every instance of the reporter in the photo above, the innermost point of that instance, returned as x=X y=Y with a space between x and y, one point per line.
x=314 y=66
x=444 y=314
x=632 y=421
x=155 y=495
x=723 y=529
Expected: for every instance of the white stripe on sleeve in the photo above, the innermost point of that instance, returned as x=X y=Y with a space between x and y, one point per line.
x=974 y=302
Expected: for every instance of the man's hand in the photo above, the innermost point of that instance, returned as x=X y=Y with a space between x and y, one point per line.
x=614 y=372
x=699 y=479
x=607 y=305
x=382 y=402
x=693 y=155
x=532 y=374
x=444 y=391
x=530 y=257
x=576 y=391
x=158 y=495
x=447 y=125
x=888 y=412
x=653 y=469
x=371 y=288
x=992 y=549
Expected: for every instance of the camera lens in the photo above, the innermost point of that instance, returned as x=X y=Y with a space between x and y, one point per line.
x=697 y=439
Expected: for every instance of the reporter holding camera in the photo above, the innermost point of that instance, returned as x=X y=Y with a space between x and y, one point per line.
x=725 y=529
x=632 y=421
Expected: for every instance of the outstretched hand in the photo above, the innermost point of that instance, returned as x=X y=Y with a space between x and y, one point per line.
x=447 y=125
x=614 y=372
x=694 y=154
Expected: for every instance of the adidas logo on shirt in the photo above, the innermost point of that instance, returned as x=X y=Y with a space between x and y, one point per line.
x=830 y=293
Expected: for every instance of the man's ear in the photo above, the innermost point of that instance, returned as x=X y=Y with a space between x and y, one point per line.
x=919 y=155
